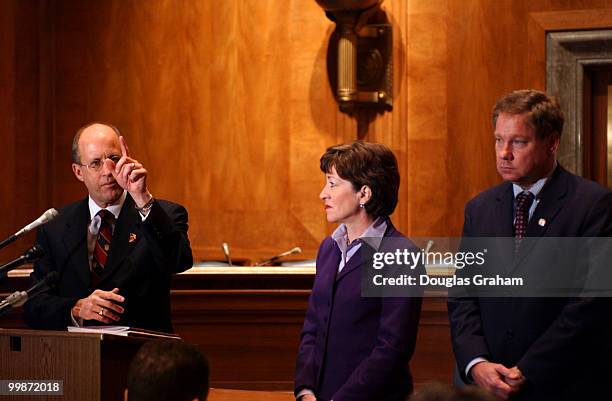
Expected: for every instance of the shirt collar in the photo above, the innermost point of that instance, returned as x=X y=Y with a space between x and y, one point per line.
x=373 y=235
x=536 y=188
x=114 y=209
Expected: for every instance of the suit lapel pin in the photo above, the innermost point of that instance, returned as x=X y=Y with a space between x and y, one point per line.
x=541 y=222
x=132 y=238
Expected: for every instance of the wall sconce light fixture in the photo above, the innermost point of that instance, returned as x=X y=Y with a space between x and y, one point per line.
x=360 y=55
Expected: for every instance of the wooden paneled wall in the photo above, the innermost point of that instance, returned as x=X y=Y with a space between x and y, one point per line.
x=225 y=102
x=22 y=176
x=228 y=106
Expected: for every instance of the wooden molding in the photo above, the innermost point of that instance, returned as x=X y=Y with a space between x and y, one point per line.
x=543 y=22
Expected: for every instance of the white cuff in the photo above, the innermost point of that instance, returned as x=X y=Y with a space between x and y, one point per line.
x=76 y=322
x=471 y=365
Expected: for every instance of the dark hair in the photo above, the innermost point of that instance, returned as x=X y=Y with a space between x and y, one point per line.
x=76 y=157
x=168 y=371
x=365 y=163
x=543 y=111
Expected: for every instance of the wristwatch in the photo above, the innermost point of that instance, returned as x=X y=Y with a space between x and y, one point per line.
x=144 y=210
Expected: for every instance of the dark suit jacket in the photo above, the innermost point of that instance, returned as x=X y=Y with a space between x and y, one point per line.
x=560 y=344
x=141 y=261
x=355 y=348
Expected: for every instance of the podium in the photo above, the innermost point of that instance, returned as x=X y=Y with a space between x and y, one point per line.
x=92 y=367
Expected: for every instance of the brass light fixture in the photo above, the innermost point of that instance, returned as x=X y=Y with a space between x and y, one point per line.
x=360 y=58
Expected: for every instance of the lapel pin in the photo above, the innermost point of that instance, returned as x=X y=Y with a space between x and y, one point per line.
x=541 y=222
x=132 y=238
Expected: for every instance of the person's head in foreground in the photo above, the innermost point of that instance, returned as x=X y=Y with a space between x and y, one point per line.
x=168 y=371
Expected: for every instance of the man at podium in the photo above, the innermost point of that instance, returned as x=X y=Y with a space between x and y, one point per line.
x=116 y=250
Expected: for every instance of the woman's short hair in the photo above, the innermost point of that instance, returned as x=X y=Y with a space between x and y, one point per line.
x=366 y=163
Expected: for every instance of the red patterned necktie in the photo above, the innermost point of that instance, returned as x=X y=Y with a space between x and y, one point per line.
x=523 y=203
x=103 y=242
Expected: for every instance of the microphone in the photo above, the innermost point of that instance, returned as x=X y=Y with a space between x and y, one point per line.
x=44 y=218
x=43 y=285
x=226 y=252
x=32 y=254
x=429 y=245
x=18 y=298
x=297 y=249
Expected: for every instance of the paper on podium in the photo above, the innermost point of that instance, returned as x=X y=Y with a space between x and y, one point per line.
x=122 y=331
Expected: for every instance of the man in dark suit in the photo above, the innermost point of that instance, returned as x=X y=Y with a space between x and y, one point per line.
x=534 y=348
x=115 y=251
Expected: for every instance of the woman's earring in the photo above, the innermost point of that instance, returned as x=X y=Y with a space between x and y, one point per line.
x=362 y=205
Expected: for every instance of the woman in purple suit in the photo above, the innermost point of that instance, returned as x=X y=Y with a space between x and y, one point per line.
x=356 y=348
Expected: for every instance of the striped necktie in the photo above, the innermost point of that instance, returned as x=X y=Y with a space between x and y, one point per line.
x=103 y=242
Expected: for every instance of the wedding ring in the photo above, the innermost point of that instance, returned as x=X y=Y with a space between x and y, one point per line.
x=101 y=313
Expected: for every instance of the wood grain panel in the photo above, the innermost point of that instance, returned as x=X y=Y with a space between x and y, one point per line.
x=229 y=107
x=251 y=336
x=23 y=161
x=54 y=356
x=426 y=107
x=217 y=394
x=91 y=367
x=226 y=103
x=7 y=110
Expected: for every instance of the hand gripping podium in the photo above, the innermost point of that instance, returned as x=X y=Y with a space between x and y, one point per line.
x=91 y=367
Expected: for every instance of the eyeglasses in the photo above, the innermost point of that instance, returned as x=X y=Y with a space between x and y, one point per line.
x=97 y=164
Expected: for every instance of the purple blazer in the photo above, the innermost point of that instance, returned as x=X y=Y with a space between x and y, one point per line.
x=354 y=348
